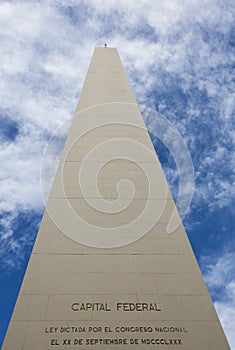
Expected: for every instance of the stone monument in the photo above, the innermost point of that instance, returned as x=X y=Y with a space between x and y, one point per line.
x=104 y=272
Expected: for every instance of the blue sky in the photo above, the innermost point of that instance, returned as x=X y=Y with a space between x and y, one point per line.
x=179 y=57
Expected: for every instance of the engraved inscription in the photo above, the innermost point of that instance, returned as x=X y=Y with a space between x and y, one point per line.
x=101 y=335
x=120 y=306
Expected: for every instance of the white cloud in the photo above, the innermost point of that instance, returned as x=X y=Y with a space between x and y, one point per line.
x=39 y=80
x=226 y=312
x=220 y=275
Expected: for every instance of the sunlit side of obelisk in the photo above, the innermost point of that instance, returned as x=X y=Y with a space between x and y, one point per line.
x=104 y=273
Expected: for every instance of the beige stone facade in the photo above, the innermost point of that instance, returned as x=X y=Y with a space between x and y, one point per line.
x=104 y=273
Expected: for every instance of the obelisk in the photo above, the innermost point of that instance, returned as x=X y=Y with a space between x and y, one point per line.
x=104 y=272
